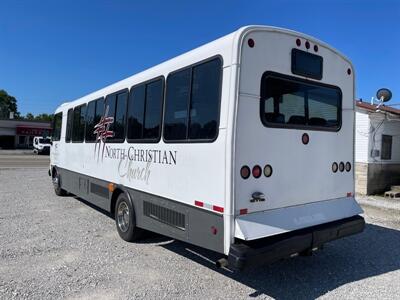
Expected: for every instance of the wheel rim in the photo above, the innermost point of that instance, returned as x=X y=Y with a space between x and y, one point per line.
x=123 y=216
x=56 y=181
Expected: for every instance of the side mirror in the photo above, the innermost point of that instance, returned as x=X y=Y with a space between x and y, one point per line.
x=384 y=95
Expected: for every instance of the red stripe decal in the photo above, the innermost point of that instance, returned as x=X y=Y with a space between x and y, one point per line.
x=243 y=211
x=198 y=203
x=218 y=208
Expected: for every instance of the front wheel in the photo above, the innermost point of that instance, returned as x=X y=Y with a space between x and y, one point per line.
x=125 y=219
x=57 y=184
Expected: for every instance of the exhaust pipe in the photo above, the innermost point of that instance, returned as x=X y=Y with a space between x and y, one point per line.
x=221 y=263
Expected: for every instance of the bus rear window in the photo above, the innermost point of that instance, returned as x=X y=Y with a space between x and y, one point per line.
x=290 y=102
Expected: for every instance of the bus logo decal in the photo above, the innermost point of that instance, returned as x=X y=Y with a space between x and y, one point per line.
x=102 y=132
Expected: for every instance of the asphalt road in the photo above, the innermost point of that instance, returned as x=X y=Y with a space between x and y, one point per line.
x=60 y=247
x=23 y=161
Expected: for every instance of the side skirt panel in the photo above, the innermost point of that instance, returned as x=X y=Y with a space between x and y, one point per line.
x=154 y=213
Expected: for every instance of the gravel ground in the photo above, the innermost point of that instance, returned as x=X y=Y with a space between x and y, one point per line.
x=52 y=247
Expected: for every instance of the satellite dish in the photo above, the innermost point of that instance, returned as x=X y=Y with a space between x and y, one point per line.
x=384 y=95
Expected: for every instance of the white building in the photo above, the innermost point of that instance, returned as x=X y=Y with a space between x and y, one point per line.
x=377 y=148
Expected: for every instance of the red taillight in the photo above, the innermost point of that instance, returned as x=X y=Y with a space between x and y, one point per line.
x=256 y=171
x=218 y=208
x=245 y=172
x=305 y=138
x=350 y=194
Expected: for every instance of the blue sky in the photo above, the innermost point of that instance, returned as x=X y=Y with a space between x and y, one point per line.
x=55 y=51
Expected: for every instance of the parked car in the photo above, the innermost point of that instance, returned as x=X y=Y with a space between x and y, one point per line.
x=41 y=145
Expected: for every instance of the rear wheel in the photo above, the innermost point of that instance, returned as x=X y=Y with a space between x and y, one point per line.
x=125 y=219
x=56 y=178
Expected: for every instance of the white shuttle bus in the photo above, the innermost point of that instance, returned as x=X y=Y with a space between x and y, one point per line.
x=243 y=146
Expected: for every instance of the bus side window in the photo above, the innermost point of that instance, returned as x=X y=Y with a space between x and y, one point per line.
x=99 y=110
x=204 y=104
x=69 y=125
x=78 y=124
x=144 y=111
x=57 y=124
x=116 y=105
x=176 y=105
x=90 y=114
x=192 y=103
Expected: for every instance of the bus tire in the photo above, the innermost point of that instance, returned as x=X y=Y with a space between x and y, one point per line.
x=125 y=219
x=56 y=178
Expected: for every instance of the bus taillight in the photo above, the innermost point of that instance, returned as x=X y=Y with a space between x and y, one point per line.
x=245 y=172
x=256 y=171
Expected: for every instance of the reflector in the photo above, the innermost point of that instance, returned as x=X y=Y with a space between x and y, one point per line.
x=267 y=170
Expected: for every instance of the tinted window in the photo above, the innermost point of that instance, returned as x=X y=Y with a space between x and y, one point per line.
x=152 y=115
x=69 y=125
x=90 y=113
x=78 y=127
x=99 y=110
x=204 y=104
x=120 y=116
x=144 y=111
x=306 y=64
x=195 y=90
x=291 y=102
x=116 y=105
x=57 y=123
x=176 y=105
x=136 y=112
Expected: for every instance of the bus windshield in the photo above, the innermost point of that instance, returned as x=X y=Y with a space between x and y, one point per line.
x=295 y=103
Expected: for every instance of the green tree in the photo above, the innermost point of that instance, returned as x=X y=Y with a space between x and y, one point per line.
x=44 y=117
x=8 y=104
x=29 y=116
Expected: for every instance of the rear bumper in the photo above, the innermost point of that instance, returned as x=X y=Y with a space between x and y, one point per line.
x=270 y=249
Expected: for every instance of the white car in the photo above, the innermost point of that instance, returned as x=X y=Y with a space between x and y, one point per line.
x=41 y=145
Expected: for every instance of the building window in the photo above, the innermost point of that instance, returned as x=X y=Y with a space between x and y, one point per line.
x=116 y=104
x=192 y=103
x=144 y=111
x=57 y=123
x=21 y=140
x=78 y=124
x=386 y=149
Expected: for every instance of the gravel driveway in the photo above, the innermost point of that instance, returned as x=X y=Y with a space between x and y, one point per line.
x=52 y=247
